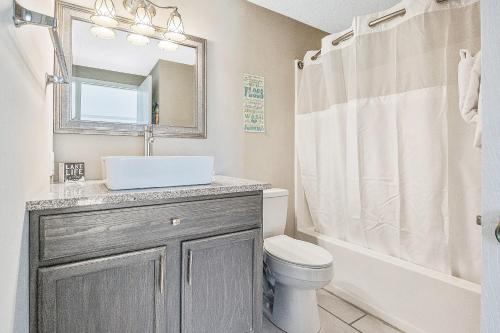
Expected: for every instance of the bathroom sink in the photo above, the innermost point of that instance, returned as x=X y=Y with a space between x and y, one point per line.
x=134 y=172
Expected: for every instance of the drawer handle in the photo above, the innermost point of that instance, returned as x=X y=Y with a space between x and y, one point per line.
x=176 y=221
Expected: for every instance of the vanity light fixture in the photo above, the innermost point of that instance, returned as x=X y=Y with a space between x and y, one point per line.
x=104 y=14
x=175 y=27
x=143 y=22
x=143 y=12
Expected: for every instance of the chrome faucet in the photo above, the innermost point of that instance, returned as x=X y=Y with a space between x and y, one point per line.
x=148 y=140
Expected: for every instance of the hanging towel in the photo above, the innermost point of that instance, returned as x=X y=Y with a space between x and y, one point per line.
x=469 y=85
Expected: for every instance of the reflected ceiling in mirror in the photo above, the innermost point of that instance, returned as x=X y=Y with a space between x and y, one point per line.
x=119 y=55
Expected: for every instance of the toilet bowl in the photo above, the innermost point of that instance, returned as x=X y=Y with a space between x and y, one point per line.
x=293 y=270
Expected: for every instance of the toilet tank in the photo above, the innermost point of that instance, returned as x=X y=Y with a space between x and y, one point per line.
x=275 y=209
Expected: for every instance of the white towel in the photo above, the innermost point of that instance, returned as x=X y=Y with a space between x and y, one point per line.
x=469 y=85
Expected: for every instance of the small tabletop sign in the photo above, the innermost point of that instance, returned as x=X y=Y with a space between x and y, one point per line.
x=253 y=103
x=71 y=172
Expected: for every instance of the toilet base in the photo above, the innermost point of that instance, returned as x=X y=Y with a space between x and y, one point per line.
x=294 y=310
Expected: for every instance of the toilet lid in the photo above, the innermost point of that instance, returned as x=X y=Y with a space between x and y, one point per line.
x=297 y=252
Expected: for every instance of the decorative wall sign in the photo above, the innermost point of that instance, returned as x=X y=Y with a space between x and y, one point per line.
x=253 y=103
x=71 y=172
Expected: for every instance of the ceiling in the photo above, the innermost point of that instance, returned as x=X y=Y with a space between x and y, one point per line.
x=327 y=15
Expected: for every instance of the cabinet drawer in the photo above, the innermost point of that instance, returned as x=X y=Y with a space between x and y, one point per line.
x=80 y=233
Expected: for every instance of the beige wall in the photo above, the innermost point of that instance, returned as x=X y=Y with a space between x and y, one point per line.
x=174 y=89
x=242 y=38
x=25 y=143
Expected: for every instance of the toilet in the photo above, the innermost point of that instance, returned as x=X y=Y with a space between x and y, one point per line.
x=293 y=270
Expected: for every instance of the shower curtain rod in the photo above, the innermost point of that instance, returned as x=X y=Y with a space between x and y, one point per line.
x=371 y=24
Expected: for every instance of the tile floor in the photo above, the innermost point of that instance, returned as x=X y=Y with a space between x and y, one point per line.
x=338 y=316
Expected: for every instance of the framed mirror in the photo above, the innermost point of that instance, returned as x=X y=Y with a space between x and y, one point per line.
x=119 y=85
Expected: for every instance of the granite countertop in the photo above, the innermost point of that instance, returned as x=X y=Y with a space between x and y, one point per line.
x=96 y=193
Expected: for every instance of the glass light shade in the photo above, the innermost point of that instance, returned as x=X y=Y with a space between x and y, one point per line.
x=138 y=40
x=104 y=14
x=168 y=46
x=175 y=28
x=143 y=22
x=102 y=32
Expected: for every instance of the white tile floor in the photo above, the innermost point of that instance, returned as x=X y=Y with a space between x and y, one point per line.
x=338 y=316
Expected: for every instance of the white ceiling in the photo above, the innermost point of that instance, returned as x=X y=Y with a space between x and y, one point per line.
x=327 y=15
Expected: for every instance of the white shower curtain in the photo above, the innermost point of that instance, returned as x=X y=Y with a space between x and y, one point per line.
x=385 y=159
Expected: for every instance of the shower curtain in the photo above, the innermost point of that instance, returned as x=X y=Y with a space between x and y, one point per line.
x=385 y=159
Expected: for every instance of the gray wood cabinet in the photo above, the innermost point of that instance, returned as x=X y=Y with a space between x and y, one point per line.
x=115 y=294
x=136 y=268
x=221 y=283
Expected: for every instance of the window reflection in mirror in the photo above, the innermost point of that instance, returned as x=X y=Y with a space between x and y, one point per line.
x=117 y=82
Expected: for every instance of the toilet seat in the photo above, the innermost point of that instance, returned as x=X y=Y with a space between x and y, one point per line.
x=297 y=263
x=297 y=252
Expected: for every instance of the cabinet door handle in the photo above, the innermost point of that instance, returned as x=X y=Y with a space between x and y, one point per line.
x=162 y=269
x=190 y=267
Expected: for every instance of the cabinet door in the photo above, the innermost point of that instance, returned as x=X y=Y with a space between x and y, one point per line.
x=116 y=294
x=221 y=288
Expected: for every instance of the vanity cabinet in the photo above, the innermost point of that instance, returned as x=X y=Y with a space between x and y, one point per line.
x=221 y=283
x=190 y=265
x=122 y=293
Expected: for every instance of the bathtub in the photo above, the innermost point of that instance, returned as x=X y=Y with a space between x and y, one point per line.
x=407 y=296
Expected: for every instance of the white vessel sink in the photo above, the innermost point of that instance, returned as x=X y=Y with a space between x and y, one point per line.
x=134 y=172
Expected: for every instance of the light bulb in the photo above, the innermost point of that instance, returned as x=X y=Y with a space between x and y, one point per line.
x=168 y=46
x=102 y=32
x=175 y=28
x=138 y=40
x=104 y=14
x=143 y=22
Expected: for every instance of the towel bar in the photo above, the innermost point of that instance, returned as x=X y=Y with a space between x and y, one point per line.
x=23 y=16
